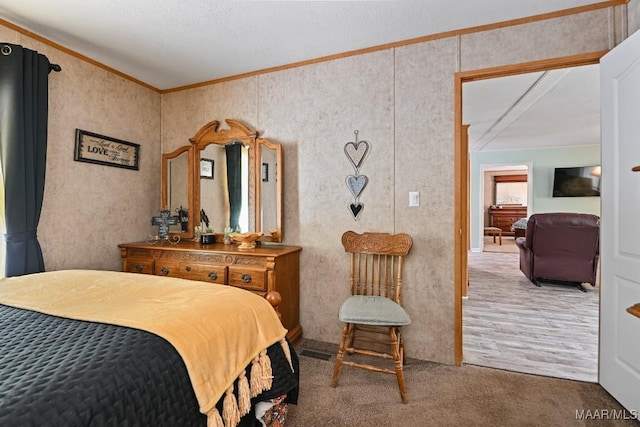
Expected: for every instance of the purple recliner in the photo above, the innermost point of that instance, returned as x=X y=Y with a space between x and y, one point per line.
x=561 y=247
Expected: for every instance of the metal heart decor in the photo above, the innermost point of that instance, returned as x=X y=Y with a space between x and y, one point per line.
x=356 y=152
x=356 y=184
x=356 y=209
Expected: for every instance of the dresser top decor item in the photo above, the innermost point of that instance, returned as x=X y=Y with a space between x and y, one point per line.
x=247 y=240
x=163 y=221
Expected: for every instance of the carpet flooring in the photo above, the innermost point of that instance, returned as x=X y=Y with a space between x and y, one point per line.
x=445 y=395
x=510 y=324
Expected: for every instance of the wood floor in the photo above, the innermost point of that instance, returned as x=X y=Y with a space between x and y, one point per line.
x=508 y=323
x=508 y=245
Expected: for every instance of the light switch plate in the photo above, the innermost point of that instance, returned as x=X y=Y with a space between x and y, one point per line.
x=414 y=198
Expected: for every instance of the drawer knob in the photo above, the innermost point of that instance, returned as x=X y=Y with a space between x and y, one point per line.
x=138 y=268
x=213 y=275
x=188 y=268
x=165 y=270
x=246 y=278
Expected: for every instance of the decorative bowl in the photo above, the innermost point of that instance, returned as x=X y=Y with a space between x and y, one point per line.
x=246 y=240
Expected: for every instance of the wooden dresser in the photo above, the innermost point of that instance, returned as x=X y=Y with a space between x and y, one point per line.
x=260 y=270
x=503 y=217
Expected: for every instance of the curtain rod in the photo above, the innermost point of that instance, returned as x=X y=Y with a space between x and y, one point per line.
x=6 y=50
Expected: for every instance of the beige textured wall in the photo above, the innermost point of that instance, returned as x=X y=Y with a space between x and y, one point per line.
x=88 y=209
x=586 y=32
x=401 y=101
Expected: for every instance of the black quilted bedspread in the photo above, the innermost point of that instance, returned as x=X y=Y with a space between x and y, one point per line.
x=62 y=372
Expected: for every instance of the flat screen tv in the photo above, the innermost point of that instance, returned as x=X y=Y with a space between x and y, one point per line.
x=576 y=181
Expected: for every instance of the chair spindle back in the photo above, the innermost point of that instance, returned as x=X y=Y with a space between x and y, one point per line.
x=376 y=263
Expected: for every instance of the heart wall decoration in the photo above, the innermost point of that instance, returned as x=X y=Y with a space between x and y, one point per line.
x=356 y=152
x=356 y=184
x=355 y=209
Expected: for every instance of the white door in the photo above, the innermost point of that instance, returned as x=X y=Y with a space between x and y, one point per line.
x=620 y=223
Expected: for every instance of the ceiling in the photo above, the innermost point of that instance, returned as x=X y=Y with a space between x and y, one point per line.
x=536 y=110
x=174 y=43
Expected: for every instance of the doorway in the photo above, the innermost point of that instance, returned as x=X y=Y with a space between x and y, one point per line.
x=462 y=173
x=504 y=196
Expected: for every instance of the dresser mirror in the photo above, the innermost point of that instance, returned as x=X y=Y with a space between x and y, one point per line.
x=237 y=181
x=510 y=190
x=269 y=199
x=177 y=189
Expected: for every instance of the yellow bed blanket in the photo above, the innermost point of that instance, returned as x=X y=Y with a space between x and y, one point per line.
x=218 y=330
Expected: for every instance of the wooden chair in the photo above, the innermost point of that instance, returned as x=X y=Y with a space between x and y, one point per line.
x=375 y=305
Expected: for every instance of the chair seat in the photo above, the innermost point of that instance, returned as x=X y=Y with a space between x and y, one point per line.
x=373 y=310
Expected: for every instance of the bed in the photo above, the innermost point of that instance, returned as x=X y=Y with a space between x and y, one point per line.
x=98 y=348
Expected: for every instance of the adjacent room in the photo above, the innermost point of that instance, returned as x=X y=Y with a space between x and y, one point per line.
x=524 y=131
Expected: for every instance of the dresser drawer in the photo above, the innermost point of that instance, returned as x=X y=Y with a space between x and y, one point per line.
x=203 y=273
x=138 y=265
x=252 y=279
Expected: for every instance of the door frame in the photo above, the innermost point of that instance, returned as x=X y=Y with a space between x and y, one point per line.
x=461 y=159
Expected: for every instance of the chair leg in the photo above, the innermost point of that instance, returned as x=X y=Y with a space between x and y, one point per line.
x=395 y=339
x=340 y=355
x=351 y=338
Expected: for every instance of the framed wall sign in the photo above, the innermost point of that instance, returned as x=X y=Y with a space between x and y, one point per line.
x=100 y=149
x=206 y=168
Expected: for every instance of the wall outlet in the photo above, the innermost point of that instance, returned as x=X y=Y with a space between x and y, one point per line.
x=414 y=198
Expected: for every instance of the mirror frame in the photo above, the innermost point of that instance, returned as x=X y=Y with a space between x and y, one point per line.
x=275 y=234
x=209 y=134
x=165 y=186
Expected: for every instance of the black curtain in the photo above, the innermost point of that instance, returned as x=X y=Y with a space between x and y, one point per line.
x=234 y=183
x=23 y=150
